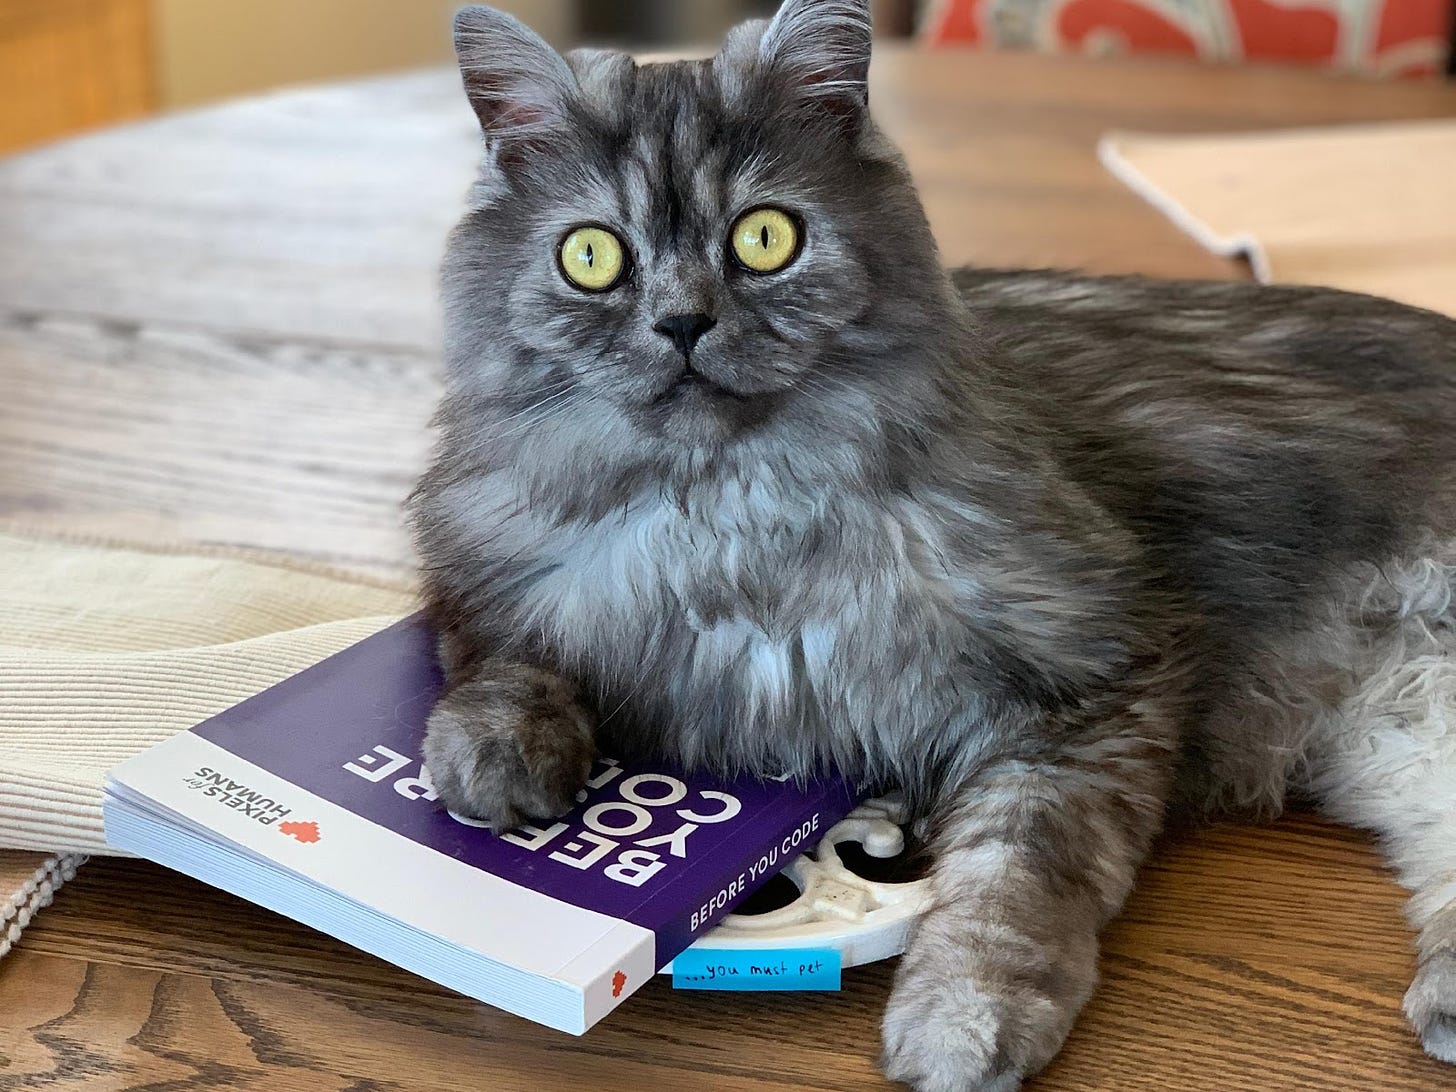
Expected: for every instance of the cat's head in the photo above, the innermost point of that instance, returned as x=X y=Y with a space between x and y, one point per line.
x=690 y=252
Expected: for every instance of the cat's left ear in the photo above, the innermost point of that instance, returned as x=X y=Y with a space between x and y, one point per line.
x=517 y=84
x=821 y=49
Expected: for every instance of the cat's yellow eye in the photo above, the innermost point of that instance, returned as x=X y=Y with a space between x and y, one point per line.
x=765 y=240
x=592 y=258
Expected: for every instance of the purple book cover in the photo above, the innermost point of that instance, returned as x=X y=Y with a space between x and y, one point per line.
x=668 y=851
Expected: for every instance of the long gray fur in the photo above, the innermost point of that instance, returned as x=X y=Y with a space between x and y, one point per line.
x=1051 y=553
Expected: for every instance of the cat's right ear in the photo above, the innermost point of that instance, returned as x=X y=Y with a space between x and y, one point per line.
x=517 y=84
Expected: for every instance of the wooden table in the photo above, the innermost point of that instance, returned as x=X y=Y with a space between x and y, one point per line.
x=221 y=326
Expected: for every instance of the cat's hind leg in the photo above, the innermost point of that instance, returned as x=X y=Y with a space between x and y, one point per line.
x=1387 y=762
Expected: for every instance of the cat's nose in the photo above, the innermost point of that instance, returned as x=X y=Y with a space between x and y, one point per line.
x=684 y=330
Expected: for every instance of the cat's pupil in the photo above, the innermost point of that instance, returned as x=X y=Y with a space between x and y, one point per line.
x=589 y=254
x=763 y=236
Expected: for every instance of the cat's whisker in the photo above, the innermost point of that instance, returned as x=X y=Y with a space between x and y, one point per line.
x=536 y=406
x=558 y=411
x=532 y=423
x=829 y=385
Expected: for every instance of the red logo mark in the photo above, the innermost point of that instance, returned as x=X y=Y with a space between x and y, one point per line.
x=618 y=981
x=304 y=832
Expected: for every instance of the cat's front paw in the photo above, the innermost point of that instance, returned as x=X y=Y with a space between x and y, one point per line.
x=512 y=744
x=968 y=1016
x=1430 y=1003
x=954 y=1040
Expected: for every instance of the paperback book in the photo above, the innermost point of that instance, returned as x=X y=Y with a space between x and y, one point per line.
x=312 y=799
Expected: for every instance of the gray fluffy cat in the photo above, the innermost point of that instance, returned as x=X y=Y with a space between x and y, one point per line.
x=733 y=471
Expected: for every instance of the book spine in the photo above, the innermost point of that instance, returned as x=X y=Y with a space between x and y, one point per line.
x=697 y=910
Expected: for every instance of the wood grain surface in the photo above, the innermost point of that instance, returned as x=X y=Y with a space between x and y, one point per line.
x=221 y=327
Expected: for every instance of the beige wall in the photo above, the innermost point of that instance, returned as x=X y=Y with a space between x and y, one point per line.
x=210 y=49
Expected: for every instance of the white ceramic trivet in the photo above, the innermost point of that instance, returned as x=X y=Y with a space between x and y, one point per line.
x=863 y=919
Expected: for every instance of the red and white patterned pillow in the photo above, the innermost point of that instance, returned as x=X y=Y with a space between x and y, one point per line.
x=1376 y=37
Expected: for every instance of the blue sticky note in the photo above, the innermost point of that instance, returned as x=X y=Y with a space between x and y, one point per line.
x=756 y=969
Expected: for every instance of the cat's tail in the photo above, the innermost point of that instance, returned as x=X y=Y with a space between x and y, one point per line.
x=1388 y=763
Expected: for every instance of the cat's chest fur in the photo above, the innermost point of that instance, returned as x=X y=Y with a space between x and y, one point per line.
x=751 y=624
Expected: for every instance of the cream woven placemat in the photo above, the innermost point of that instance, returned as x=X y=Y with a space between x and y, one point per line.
x=1369 y=208
x=106 y=649
x=28 y=883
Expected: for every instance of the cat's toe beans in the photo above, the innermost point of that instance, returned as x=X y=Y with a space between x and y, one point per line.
x=1430 y=1003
